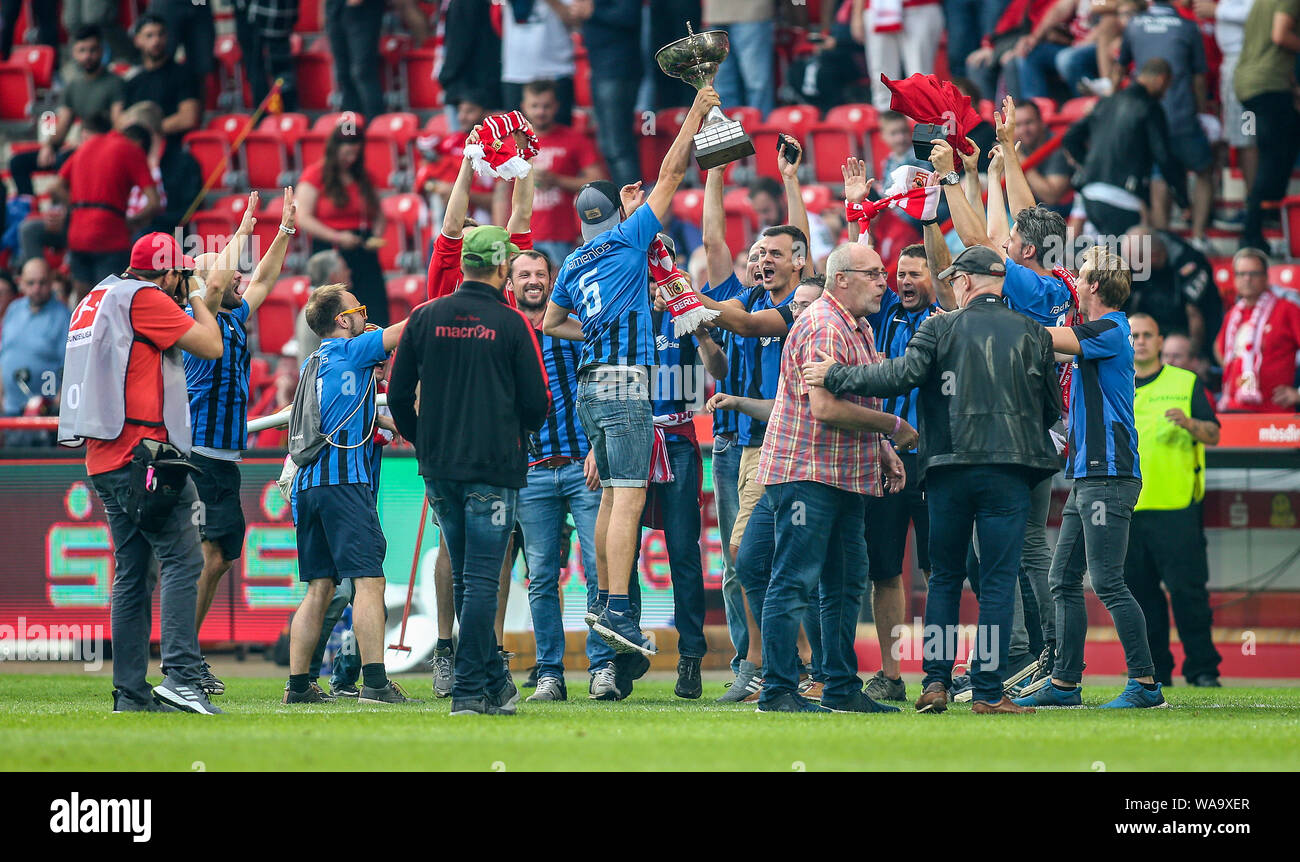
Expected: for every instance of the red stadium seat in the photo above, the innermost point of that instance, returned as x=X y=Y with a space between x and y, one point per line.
x=688 y=205
x=289 y=126
x=392 y=48
x=230 y=71
x=423 y=91
x=583 y=122
x=266 y=160
x=315 y=80
x=295 y=287
x=742 y=224
x=1291 y=224
x=795 y=120
x=655 y=141
x=17 y=93
x=817 y=198
x=1074 y=110
x=437 y=125
x=1223 y=279
x=311 y=148
x=748 y=117
x=406 y=219
x=311 y=16
x=831 y=145
x=229 y=125
x=328 y=122
x=213 y=227
x=401 y=127
x=232 y=205
x=405 y=292
x=1285 y=275
x=1046 y=107
x=37 y=59
x=388 y=149
x=212 y=151
x=278 y=314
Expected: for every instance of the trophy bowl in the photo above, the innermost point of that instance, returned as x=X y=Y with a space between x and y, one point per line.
x=695 y=59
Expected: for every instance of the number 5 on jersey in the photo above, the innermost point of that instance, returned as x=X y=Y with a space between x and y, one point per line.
x=590 y=289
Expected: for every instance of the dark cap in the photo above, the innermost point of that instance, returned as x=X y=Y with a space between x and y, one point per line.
x=599 y=208
x=976 y=260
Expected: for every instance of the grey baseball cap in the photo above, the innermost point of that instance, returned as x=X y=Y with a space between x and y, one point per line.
x=977 y=260
x=598 y=208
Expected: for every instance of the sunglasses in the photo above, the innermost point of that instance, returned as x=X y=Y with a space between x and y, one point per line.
x=360 y=309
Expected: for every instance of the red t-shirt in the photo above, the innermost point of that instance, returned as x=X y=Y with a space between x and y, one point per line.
x=450 y=151
x=562 y=151
x=100 y=175
x=347 y=218
x=1277 y=362
x=157 y=317
x=444 y=267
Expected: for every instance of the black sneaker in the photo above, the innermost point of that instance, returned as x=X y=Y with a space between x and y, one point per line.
x=689 y=684
x=391 y=693
x=209 y=683
x=469 y=706
x=313 y=694
x=881 y=687
x=790 y=703
x=504 y=701
x=345 y=690
x=628 y=667
x=185 y=697
x=1205 y=680
x=859 y=702
x=123 y=703
x=531 y=682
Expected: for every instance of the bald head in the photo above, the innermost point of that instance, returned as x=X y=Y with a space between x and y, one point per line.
x=855 y=276
x=34 y=282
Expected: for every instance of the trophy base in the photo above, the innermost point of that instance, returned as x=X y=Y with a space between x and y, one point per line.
x=722 y=143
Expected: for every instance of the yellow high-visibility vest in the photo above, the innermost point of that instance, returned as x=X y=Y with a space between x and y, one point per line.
x=1173 y=461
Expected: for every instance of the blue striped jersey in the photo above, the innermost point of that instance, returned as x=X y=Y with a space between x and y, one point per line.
x=561 y=434
x=604 y=281
x=727 y=421
x=346 y=389
x=1103 y=435
x=677 y=377
x=218 y=388
x=894 y=327
x=1044 y=298
x=762 y=359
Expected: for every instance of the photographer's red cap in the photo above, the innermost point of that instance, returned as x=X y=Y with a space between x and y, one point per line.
x=159 y=251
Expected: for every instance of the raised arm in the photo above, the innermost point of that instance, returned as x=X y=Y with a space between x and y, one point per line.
x=733 y=317
x=938 y=257
x=453 y=217
x=794 y=204
x=714 y=229
x=1019 y=194
x=673 y=169
x=968 y=224
x=521 y=205
x=997 y=225
x=891 y=377
x=715 y=360
x=269 y=267
x=970 y=180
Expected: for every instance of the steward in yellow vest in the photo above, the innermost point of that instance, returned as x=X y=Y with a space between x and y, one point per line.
x=1175 y=421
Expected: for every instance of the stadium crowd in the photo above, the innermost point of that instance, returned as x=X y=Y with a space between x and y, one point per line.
x=843 y=346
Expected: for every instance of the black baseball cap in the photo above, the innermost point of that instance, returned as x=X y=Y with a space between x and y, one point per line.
x=976 y=260
x=599 y=208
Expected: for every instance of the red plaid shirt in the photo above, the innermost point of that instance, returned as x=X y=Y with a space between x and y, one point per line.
x=798 y=448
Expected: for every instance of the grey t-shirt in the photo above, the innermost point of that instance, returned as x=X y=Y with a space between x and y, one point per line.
x=1162 y=32
x=86 y=96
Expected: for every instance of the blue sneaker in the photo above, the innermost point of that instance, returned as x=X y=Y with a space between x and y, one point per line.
x=1134 y=696
x=790 y=703
x=622 y=634
x=1050 y=695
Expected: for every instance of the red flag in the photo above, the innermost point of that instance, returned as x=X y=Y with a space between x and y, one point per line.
x=926 y=99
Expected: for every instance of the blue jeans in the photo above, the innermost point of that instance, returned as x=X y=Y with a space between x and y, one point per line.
x=818 y=539
x=1033 y=72
x=614 y=103
x=754 y=571
x=1075 y=63
x=726 y=472
x=679 y=503
x=747 y=80
x=551 y=493
x=994 y=501
x=966 y=20
x=476 y=521
x=614 y=408
x=1094 y=537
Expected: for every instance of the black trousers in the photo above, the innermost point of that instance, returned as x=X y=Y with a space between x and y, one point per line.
x=44 y=15
x=1169 y=547
x=1277 y=134
x=265 y=59
x=23 y=165
x=353 y=33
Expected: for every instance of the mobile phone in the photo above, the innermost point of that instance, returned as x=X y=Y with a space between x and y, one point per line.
x=784 y=148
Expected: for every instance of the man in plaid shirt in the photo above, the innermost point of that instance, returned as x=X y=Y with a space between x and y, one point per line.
x=821 y=457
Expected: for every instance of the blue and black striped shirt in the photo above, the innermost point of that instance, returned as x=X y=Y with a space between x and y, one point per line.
x=728 y=421
x=561 y=435
x=762 y=361
x=346 y=389
x=218 y=387
x=1103 y=434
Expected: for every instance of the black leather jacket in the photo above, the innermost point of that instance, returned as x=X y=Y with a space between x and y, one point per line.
x=1121 y=139
x=988 y=388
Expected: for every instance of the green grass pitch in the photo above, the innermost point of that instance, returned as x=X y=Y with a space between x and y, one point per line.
x=63 y=722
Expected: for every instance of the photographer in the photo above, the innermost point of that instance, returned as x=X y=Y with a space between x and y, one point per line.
x=124 y=396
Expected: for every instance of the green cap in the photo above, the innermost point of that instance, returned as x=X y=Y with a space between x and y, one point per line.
x=487 y=245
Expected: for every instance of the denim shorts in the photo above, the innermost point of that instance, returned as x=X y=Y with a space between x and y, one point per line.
x=614 y=407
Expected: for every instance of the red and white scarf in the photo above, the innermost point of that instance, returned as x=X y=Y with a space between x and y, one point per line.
x=497 y=154
x=682 y=300
x=911 y=189
x=1244 y=388
x=1074 y=318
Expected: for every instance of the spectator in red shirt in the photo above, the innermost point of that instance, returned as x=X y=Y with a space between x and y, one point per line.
x=96 y=182
x=444 y=153
x=565 y=162
x=338 y=206
x=1258 y=343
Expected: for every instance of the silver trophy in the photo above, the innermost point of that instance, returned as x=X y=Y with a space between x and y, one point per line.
x=695 y=60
